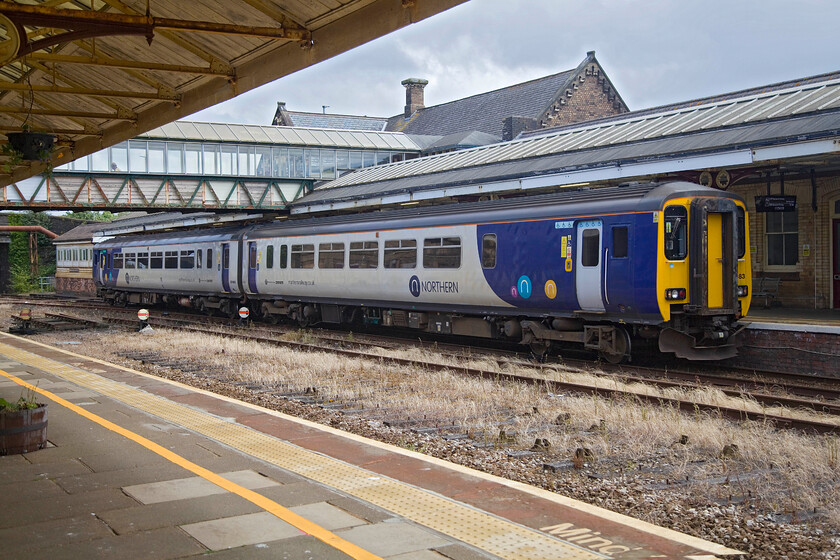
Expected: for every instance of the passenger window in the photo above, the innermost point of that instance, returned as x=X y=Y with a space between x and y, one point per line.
x=269 y=256
x=364 y=254
x=170 y=259
x=157 y=259
x=303 y=256
x=401 y=253
x=488 y=250
x=284 y=255
x=130 y=260
x=620 y=242
x=143 y=260
x=676 y=233
x=209 y=258
x=442 y=252
x=590 y=247
x=188 y=259
x=199 y=258
x=118 y=260
x=331 y=255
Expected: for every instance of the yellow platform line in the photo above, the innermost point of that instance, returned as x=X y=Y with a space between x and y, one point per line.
x=462 y=522
x=270 y=506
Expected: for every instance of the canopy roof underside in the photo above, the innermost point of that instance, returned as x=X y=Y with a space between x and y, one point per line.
x=93 y=73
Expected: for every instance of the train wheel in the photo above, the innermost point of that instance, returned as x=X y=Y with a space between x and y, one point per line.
x=622 y=348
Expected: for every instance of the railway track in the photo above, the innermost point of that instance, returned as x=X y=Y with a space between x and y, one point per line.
x=786 y=393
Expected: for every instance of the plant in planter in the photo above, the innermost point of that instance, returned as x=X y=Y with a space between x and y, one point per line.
x=23 y=425
x=28 y=145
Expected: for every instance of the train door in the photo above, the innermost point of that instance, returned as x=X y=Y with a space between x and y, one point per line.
x=253 y=266
x=835 y=273
x=618 y=274
x=224 y=266
x=719 y=260
x=589 y=265
x=98 y=265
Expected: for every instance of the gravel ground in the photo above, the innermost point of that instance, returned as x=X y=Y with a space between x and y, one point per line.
x=659 y=486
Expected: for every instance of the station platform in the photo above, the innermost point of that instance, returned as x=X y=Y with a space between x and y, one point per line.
x=143 y=467
x=791 y=340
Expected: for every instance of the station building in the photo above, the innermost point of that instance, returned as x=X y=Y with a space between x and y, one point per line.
x=777 y=145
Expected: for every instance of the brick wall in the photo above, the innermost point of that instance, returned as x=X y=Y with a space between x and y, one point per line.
x=807 y=284
x=789 y=352
x=590 y=97
x=75 y=286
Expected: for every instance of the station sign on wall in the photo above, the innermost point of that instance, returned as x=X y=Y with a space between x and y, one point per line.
x=775 y=203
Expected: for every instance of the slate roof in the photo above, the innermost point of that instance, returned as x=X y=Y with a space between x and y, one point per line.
x=340 y=122
x=746 y=121
x=485 y=112
x=750 y=95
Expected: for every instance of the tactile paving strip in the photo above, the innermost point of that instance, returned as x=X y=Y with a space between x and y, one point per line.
x=459 y=521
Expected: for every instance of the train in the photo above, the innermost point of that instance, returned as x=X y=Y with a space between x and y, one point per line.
x=602 y=269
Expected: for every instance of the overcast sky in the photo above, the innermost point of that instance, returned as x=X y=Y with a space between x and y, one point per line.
x=654 y=51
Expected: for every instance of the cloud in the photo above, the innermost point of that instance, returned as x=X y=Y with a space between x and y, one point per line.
x=655 y=52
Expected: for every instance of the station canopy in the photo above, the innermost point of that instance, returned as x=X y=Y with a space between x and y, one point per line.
x=92 y=73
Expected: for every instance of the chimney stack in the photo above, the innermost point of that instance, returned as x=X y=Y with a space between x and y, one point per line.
x=413 y=95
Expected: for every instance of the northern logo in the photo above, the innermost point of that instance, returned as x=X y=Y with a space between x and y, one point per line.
x=414 y=286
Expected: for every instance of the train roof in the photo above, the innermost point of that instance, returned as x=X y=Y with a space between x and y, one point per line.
x=209 y=235
x=633 y=197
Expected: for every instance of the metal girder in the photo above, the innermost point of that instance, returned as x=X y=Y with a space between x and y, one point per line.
x=82 y=24
x=162 y=96
x=73 y=190
x=128 y=64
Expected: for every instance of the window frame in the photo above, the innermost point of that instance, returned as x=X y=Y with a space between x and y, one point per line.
x=436 y=253
x=784 y=234
x=364 y=256
x=485 y=262
x=302 y=256
x=331 y=255
x=398 y=254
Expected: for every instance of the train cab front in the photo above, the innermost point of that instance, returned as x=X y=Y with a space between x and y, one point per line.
x=703 y=276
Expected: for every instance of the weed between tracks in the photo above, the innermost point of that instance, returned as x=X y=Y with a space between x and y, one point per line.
x=634 y=461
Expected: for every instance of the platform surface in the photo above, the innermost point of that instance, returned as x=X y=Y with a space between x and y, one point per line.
x=142 y=467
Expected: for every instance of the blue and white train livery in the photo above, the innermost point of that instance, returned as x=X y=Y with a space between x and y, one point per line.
x=600 y=268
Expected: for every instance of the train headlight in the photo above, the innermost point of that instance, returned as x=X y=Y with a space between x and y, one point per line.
x=675 y=293
x=743 y=291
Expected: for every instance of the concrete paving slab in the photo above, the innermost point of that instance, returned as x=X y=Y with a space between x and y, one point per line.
x=14 y=471
x=419 y=555
x=362 y=510
x=34 y=490
x=49 y=534
x=232 y=532
x=193 y=487
x=297 y=548
x=390 y=539
x=180 y=512
x=163 y=544
x=88 y=481
x=65 y=506
x=299 y=494
x=327 y=516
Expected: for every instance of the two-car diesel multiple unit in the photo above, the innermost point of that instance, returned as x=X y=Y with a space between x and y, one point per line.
x=599 y=267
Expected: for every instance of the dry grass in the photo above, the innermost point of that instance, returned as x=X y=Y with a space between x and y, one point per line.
x=778 y=471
